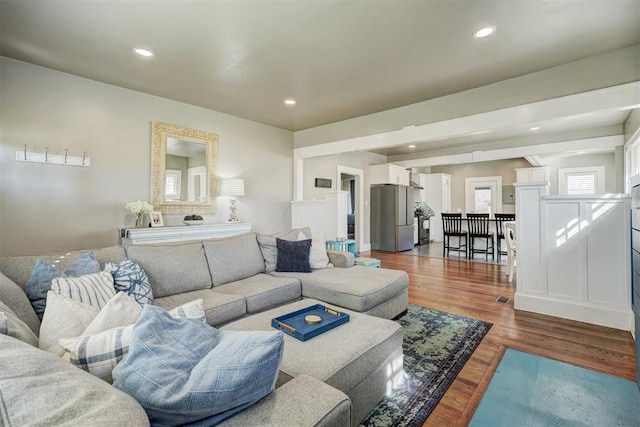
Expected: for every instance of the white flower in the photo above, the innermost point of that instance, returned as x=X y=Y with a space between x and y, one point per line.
x=138 y=207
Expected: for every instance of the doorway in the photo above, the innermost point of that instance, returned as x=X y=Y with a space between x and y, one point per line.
x=482 y=195
x=351 y=180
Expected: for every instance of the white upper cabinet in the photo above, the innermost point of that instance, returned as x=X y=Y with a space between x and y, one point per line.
x=539 y=174
x=388 y=174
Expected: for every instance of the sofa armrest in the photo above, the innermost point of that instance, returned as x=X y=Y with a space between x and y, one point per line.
x=341 y=259
x=303 y=401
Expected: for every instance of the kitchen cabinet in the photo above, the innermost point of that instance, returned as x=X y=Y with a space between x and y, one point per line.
x=388 y=174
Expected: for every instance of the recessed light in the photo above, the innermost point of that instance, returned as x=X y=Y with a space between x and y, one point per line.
x=484 y=32
x=412 y=146
x=290 y=101
x=535 y=128
x=143 y=52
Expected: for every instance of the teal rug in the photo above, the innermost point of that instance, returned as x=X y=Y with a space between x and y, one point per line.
x=529 y=390
x=436 y=345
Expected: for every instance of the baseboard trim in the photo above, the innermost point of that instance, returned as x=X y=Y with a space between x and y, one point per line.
x=617 y=318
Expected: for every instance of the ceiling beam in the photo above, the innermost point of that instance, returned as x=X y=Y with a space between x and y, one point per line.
x=600 y=143
x=615 y=98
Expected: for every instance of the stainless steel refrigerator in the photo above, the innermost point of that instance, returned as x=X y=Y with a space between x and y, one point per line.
x=392 y=210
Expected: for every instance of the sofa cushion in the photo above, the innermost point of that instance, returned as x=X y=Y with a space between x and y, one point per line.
x=13 y=326
x=129 y=277
x=172 y=269
x=63 y=394
x=269 y=248
x=63 y=318
x=43 y=273
x=292 y=404
x=293 y=256
x=356 y=288
x=93 y=289
x=16 y=299
x=184 y=372
x=233 y=258
x=219 y=308
x=263 y=291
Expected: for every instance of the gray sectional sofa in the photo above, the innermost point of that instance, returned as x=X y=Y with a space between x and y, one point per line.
x=333 y=379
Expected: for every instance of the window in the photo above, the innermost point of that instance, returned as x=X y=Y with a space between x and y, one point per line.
x=482 y=199
x=586 y=180
x=173 y=184
x=482 y=194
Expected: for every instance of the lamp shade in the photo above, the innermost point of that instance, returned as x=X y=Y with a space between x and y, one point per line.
x=232 y=187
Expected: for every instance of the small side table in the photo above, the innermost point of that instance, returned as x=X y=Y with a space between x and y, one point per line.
x=348 y=245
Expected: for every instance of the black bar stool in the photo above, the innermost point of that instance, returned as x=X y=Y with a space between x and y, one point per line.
x=452 y=227
x=478 y=224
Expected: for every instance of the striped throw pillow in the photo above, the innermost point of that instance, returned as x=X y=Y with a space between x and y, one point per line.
x=99 y=353
x=93 y=289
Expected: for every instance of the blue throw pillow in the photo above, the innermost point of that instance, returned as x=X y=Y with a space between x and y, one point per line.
x=183 y=371
x=293 y=256
x=129 y=277
x=40 y=281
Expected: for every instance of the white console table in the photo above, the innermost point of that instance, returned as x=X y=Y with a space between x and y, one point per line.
x=180 y=233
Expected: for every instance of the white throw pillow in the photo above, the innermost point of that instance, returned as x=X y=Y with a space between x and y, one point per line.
x=99 y=353
x=121 y=310
x=93 y=289
x=318 y=257
x=63 y=318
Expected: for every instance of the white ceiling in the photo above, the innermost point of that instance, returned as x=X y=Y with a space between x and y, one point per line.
x=339 y=58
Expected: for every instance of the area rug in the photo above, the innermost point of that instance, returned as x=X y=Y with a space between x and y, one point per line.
x=529 y=390
x=436 y=346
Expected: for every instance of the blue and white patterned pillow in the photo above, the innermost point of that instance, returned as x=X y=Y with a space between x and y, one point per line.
x=129 y=277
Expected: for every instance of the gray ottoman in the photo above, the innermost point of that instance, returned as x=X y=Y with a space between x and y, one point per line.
x=360 y=358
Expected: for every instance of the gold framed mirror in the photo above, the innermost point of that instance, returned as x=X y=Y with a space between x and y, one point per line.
x=184 y=163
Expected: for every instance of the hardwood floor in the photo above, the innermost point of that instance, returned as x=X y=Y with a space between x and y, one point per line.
x=470 y=289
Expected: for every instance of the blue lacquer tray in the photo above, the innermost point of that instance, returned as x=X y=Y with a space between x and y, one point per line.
x=293 y=324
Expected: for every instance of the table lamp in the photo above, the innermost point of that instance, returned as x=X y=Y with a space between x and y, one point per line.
x=232 y=188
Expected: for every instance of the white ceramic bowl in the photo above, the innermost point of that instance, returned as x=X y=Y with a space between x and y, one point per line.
x=193 y=221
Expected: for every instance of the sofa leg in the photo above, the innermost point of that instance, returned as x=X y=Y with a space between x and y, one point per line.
x=400 y=315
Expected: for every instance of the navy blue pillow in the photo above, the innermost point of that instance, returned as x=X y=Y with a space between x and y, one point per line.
x=293 y=256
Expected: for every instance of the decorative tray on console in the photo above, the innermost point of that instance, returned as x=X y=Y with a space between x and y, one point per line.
x=309 y=322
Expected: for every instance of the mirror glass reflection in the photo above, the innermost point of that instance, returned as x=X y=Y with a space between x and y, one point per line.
x=183 y=169
x=186 y=171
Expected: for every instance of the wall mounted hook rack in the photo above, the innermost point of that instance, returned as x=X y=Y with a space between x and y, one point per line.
x=53 y=159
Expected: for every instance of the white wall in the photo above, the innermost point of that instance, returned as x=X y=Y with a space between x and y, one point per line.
x=47 y=208
x=608 y=160
x=326 y=167
x=504 y=168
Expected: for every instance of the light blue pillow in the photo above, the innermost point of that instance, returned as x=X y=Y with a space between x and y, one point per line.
x=129 y=277
x=42 y=274
x=185 y=371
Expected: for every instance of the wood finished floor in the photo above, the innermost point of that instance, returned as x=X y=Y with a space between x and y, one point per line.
x=470 y=289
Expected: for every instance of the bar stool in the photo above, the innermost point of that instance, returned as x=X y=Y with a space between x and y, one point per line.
x=452 y=227
x=501 y=218
x=478 y=224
